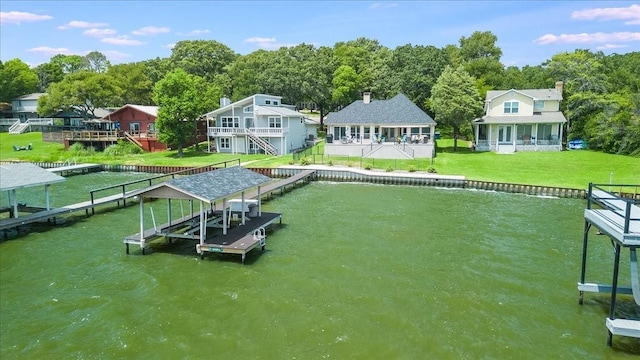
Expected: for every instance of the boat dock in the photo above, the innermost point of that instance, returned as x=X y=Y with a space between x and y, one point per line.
x=75 y=168
x=618 y=218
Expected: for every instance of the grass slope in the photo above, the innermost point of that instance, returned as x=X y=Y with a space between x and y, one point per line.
x=573 y=169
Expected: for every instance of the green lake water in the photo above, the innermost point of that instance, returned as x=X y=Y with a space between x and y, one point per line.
x=356 y=271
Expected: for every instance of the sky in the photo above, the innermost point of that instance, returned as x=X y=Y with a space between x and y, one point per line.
x=528 y=32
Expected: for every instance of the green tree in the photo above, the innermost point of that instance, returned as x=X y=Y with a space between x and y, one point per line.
x=481 y=58
x=84 y=91
x=182 y=99
x=205 y=58
x=455 y=100
x=134 y=82
x=16 y=79
x=71 y=64
x=48 y=73
x=346 y=85
x=97 y=62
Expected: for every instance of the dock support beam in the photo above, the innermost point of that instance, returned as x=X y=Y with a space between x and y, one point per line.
x=583 y=272
x=614 y=289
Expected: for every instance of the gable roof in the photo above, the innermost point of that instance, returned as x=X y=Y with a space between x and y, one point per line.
x=397 y=110
x=242 y=102
x=208 y=186
x=22 y=175
x=535 y=94
x=151 y=110
x=536 y=118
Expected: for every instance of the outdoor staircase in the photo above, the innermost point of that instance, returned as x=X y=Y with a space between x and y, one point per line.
x=18 y=127
x=262 y=144
x=133 y=140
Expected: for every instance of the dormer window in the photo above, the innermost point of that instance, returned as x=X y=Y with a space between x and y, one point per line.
x=511 y=107
x=538 y=104
x=248 y=109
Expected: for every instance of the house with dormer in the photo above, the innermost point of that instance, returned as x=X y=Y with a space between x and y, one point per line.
x=521 y=120
x=258 y=124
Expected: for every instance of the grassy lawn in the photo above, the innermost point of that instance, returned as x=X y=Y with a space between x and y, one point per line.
x=573 y=169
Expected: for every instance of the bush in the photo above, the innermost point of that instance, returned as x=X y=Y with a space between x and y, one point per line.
x=431 y=169
x=305 y=161
x=368 y=166
x=122 y=148
x=389 y=168
x=76 y=149
x=412 y=168
x=330 y=163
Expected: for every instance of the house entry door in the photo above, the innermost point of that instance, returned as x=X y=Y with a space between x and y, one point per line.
x=504 y=134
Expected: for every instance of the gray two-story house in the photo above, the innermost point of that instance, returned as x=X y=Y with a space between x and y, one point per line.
x=258 y=124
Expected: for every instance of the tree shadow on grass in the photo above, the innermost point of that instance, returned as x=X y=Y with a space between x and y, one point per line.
x=449 y=149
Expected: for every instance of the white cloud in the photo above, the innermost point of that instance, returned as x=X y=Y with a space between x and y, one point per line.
x=169 y=46
x=586 y=38
x=99 y=32
x=18 y=17
x=151 y=30
x=114 y=55
x=611 y=46
x=267 y=43
x=121 y=40
x=382 y=5
x=631 y=14
x=75 y=24
x=49 y=50
x=195 y=33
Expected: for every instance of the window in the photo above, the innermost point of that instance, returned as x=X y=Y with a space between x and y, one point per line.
x=544 y=132
x=225 y=143
x=275 y=122
x=524 y=133
x=538 y=104
x=275 y=102
x=228 y=121
x=510 y=107
x=267 y=102
x=248 y=109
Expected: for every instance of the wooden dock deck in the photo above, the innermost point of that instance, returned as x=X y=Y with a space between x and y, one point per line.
x=77 y=168
x=304 y=175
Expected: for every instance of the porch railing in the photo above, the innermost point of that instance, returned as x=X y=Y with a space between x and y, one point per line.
x=259 y=131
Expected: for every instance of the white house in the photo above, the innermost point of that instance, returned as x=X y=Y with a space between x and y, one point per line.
x=521 y=120
x=258 y=124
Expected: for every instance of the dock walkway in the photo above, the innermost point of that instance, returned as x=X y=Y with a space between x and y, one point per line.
x=619 y=219
x=77 y=168
x=303 y=175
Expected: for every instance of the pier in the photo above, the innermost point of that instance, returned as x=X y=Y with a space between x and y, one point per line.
x=618 y=218
x=75 y=169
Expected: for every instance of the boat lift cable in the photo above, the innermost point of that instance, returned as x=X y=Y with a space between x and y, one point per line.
x=153 y=218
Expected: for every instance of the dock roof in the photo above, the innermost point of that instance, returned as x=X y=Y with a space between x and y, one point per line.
x=207 y=187
x=22 y=175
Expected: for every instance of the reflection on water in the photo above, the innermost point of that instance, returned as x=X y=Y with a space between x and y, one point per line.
x=356 y=271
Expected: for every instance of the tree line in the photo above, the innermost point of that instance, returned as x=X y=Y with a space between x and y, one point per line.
x=601 y=92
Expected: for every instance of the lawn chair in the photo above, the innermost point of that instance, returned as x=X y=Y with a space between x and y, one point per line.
x=404 y=139
x=30 y=147
x=16 y=148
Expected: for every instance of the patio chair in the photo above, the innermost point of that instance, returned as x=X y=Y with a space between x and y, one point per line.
x=16 y=148
x=404 y=139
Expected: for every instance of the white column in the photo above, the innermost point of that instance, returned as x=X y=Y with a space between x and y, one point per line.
x=224 y=216
x=203 y=225
x=560 y=135
x=141 y=221
x=432 y=133
x=14 y=199
x=46 y=194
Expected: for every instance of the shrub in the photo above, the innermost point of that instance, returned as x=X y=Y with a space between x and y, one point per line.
x=305 y=161
x=368 y=166
x=76 y=149
x=330 y=163
x=431 y=169
x=389 y=168
x=412 y=168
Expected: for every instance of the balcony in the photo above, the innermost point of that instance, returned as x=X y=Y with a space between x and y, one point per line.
x=258 y=131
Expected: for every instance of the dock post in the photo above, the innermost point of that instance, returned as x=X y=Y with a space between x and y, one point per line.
x=93 y=209
x=614 y=290
x=583 y=271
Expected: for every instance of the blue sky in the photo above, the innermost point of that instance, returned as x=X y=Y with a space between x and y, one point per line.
x=529 y=32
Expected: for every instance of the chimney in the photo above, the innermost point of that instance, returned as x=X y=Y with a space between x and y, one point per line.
x=366 y=97
x=224 y=101
x=559 y=86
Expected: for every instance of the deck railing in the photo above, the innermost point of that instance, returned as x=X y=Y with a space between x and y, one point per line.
x=259 y=131
x=620 y=205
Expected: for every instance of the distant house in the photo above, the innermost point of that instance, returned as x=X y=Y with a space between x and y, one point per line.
x=26 y=106
x=521 y=120
x=258 y=124
x=393 y=128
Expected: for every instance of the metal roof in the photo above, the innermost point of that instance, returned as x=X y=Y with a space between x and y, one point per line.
x=543 y=117
x=22 y=175
x=34 y=96
x=207 y=187
x=398 y=110
x=276 y=110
